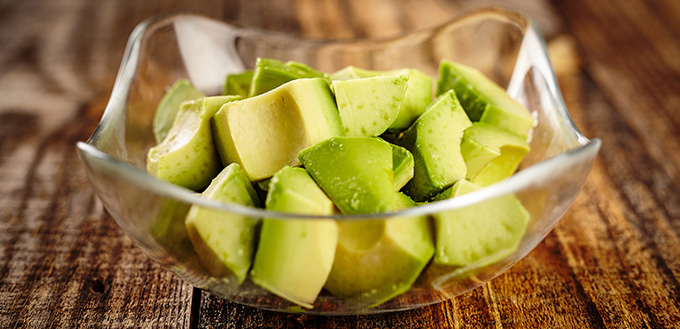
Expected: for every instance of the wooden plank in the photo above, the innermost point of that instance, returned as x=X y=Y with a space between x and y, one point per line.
x=63 y=260
x=625 y=249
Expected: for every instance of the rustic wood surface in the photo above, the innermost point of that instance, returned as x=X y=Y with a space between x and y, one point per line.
x=613 y=260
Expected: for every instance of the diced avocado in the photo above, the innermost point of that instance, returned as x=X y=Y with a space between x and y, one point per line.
x=368 y=106
x=225 y=240
x=265 y=133
x=169 y=231
x=484 y=232
x=351 y=72
x=484 y=100
x=181 y=91
x=238 y=84
x=402 y=166
x=355 y=172
x=434 y=139
x=294 y=257
x=187 y=156
x=270 y=73
x=376 y=260
x=491 y=154
x=418 y=92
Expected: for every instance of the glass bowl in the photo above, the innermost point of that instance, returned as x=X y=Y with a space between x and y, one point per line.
x=505 y=45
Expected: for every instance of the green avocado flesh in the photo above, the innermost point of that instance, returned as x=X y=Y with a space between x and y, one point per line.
x=483 y=99
x=402 y=166
x=269 y=74
x=355 y=172
x=294 y=257
x=368 y=106
x=376 y=260
x=224 y=240
x=434 y=139
x=168 y=228
x=418 y=92
x=181 y=91
x=299 y=141
x=238 y=84
x=484 y=232
x=265 y=133
x=491 y=154
x=187 y=156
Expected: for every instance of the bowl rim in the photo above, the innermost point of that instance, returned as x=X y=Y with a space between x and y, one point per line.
x=520 y=180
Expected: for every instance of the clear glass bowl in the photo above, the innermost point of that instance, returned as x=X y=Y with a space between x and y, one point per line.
x=505 y=45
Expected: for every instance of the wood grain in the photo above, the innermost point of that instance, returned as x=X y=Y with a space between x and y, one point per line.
x=613 y=260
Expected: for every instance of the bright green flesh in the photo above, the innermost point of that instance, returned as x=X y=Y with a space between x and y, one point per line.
x=402 y=166
x=224 y=240
x=484 y=232
x=269 y=74
x=483 y=99
x=239 y=84
x=188 y=157
x=376 y=260
x=368 y=106
x=265 y=133
x=418 y=92
x=434 y=140
x=294 y=257
x=491 y=154
x=355 y=172
x=170 y=104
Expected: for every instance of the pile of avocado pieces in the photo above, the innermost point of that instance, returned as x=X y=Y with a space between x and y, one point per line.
x=315 y=144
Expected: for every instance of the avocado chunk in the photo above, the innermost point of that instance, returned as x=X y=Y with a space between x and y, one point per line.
x=434 y=139
x=355 y=172
x=225 y=240
x=265 y=133
x=239 y=84
x=484 y=100
x=169 y=231
x=181 y=91
x=402 y=166
x=491 y=154
x=483 y=232
x=376 y=260
x=270 y=73
x=187 y=156
x=294 y=256
x=368 y=106
x=418 y=92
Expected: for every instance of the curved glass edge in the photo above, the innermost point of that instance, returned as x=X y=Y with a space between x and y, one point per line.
x=533 y=54
x=93 y=156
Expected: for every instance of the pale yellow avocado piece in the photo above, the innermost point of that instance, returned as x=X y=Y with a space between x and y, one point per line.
x=225 y=240
x=187 y=156
x=294 y=256
x=481 y=233
x=491 y=153
x=265 y=133
x=376 y=260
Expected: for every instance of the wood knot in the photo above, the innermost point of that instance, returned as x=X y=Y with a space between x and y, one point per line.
x=97 y=286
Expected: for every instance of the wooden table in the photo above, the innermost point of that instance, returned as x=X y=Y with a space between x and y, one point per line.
x=613 y=260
